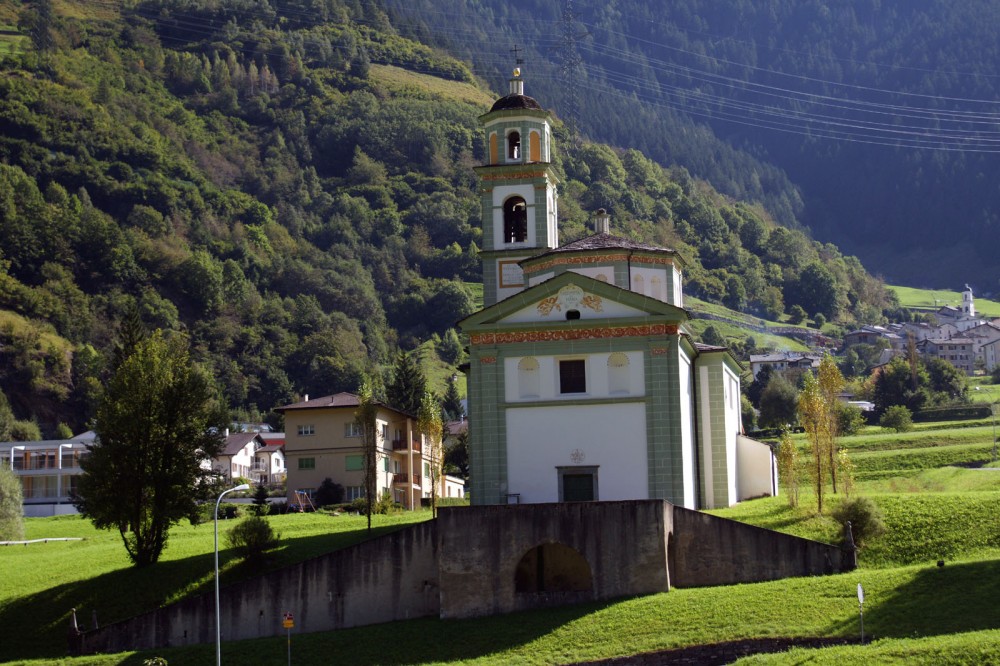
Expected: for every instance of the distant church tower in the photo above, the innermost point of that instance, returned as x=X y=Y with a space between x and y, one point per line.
x=517 y=190
x=968 y=305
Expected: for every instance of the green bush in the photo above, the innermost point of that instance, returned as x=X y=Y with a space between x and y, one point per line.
x=897 y=418
x=865 y=518
x=850 y=419
x=251 y=538
x=11 y=521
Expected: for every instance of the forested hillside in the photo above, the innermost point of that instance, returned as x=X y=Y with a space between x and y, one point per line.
x=872 y=122
x=291 y=183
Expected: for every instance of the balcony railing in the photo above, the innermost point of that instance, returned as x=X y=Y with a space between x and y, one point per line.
x=400 y=445
x=259 y=467
x=399 y=477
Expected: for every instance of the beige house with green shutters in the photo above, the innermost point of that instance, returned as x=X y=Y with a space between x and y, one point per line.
x=583 y=381
x=323 y=441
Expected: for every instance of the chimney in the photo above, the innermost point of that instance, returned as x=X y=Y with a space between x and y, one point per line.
x=305 y=398
x=517 y=83
x=602 y=222
x=227 y=432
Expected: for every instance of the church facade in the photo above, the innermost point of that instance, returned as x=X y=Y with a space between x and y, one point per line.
x=583 y=382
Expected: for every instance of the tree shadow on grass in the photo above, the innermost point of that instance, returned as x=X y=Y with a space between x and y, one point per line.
x=938 y=600
x=37 y=625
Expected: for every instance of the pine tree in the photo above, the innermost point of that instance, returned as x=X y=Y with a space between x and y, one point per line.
x=451 y=405
x=406 y=391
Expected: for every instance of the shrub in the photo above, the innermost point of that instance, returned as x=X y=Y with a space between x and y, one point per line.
x=228 y=511
x=11 y=522
x=850 y=419
x=260 y=506
x=328 y=493
x=252 y=538
x=819 y=320
x=865 y=518
x=897 y=418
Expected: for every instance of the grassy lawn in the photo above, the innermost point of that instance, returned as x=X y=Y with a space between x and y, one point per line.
x=919 y=612
x=42 y=582
x=932 y=299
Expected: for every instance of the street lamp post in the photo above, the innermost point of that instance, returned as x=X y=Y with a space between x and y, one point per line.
x=218 y=620
x=12 y=449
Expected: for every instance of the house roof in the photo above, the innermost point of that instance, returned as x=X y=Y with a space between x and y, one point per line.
x=338 y=400
x=236 y=442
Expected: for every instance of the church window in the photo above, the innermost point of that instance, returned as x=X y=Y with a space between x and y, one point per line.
x=656 y=288
x=573 y=376
x=638 y=285
x=618 y=374
x=514 y=146
x=534 y=147
x=493 y=148
x=572 y=315
x=527 y=377
x=515 y=220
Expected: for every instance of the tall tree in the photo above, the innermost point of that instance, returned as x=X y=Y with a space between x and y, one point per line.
x=429 y=423
x=37 y=22
x=158 y=422
x=406 y=390
x=831 y=383
x=813 y=419
x=365 y=418
x=777 y=403
x=451 y=404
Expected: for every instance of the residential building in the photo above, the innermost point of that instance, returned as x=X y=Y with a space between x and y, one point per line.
x=786 y=363
x=957 y=351
x=584 y=383
x=247 y=455
x=48 y=471
x=323 y=441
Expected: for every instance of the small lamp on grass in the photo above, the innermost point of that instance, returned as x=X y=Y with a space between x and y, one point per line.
x=218 y=617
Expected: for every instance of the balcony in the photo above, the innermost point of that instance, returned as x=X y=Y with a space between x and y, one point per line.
x=402 y=479
x=259 y=467
x=400 y=445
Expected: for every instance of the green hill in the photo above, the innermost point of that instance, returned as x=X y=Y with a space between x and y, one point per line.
x=292 y=185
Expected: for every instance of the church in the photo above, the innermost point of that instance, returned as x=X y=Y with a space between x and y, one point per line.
x=583 y=382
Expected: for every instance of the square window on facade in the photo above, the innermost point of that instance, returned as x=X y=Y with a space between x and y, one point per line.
x=354 y=463
x=352 y=429
x=573 y=376
x=307 y=463
x=353 y=492
x=306 y=430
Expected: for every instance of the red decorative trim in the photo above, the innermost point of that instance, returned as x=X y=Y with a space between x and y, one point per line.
x=659 y=351
x=643 y=331
x=488 y=360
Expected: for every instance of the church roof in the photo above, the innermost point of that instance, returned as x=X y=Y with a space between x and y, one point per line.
x=604 y=241
x=515 y=102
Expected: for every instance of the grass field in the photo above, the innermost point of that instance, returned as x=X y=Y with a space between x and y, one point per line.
x=932 y=299
x=919 y=612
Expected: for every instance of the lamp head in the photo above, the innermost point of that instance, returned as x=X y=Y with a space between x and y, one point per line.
x=242 y=486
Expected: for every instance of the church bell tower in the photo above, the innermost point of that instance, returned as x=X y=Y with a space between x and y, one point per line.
x=517 y=188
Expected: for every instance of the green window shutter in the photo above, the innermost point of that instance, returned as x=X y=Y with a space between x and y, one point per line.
x=354 y=463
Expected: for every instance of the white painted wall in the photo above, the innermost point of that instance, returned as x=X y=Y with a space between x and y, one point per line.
x=506 y=292
x=594 y=271
x=756 y=467
x=597 y=378
x=538 y=279
x=688 y=444
x=647 y=275
x=610 y=437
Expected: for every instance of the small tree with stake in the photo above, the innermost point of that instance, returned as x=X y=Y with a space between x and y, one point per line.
x=365 y=418
x=429 y=423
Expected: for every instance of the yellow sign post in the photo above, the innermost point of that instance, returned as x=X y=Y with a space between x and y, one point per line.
x=288 y=622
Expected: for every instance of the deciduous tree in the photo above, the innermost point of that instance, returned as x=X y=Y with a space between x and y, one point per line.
x=365 y=418
x=11 y=523
x=157 y=423
x=429 y=423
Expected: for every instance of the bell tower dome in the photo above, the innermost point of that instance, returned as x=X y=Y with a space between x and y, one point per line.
x=517 y=190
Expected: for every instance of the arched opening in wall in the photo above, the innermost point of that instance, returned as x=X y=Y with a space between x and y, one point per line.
x=527 y=377
x=514 y=146
x=534 y=147
x=493 y=149
x=618 y=374
x=515 y=220
x=553 y=567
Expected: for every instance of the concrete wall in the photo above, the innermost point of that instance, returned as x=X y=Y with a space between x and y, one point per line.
x=756 y=469
x=393 y=577
x=624 y=544
x=485 y=560
x=707 y=550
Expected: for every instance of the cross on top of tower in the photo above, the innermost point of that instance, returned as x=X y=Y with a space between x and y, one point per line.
x=517 y=59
